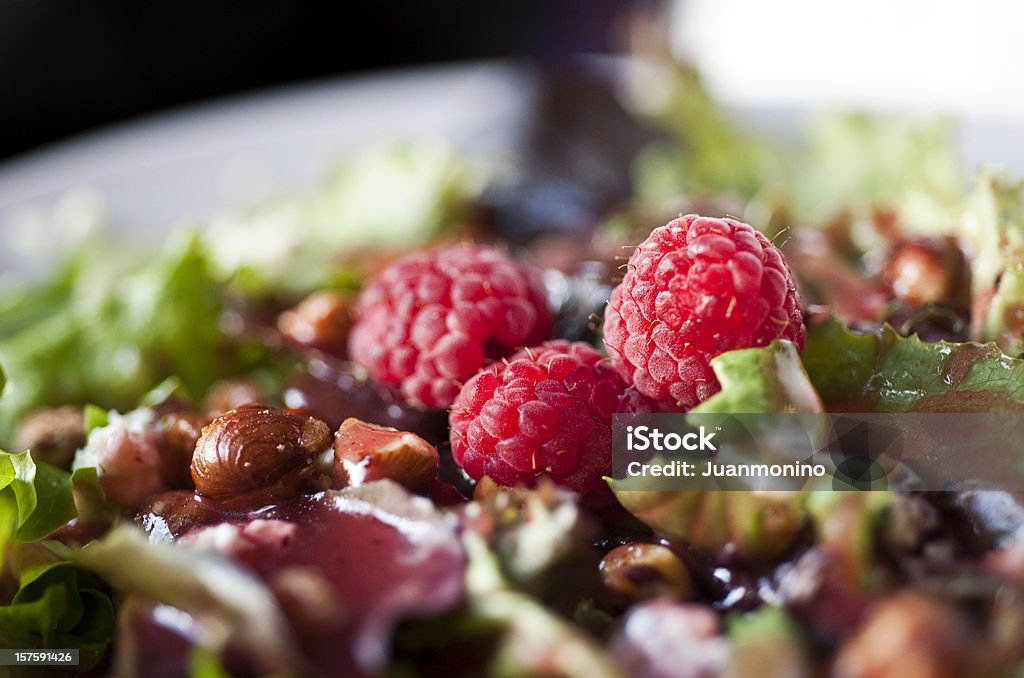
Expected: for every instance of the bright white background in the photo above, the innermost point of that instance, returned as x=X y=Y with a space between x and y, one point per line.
x=964 y=58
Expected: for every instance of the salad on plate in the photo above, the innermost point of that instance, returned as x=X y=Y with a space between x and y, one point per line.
x=368 y=429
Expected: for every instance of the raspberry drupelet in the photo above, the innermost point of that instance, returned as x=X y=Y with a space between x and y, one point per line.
x=546 y=410
x=429 y=321
x=698 y=287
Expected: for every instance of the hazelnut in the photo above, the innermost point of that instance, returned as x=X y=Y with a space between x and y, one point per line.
x=908 y=634
x=365 y=452
x=53 y=435
x=321 y=321
x=181 y=432
x=231 y=394
x=640 y=571
x=258 y=455
x=925 y=270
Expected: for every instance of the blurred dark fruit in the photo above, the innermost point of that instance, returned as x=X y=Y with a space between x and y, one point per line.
x=53 y=435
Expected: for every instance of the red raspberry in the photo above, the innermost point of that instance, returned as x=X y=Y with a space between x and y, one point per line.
x=698 y=287
x=428 y=322
x=548 y=409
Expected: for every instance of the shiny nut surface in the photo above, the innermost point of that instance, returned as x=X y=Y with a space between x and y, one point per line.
x=924 y=270
x=640 y=571
x=320 y=321
x=258 y=455
x=364 y=452
x=231 y=394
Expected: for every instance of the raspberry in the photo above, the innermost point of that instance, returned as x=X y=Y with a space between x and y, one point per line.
x=548 y=409
x=428 y=322
x=697 y=287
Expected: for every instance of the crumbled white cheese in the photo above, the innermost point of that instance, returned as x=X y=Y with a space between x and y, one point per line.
x=92 y=453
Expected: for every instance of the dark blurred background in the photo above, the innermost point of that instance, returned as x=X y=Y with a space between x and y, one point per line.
x=70 y=65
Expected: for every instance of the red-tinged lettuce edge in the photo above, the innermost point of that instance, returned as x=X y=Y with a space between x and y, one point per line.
x=885 y=372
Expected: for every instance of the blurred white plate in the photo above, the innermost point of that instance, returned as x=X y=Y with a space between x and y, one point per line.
x=146 y=176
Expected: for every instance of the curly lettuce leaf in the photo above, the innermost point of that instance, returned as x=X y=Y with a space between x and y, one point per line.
x=757 y=523
x=993 y=224
x=110 y=344
x=857 y=159
x=42 y=495
x=532 y=641
x=385 y=196
x=59 y=606
x=706 y=149
x=227 y=602
x=884 y=372
x=21 y=307
x=768 y=379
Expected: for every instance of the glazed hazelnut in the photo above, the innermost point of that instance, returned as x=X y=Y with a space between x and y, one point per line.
x=181 y=432
x=641 y=571
x=365 y=452
x=924 y=270
x=321 y=321
x=231 y=394
x=258 y=455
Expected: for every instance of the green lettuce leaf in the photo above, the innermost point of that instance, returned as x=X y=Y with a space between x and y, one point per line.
x=845 y=525
x=113 y=340
x=767 y=642
x=855 y=160
x=59 y=606
x=768 y=379
x=884 y=372
x=532 y=641
x=706 y=150
x=227 y=603
x=757 y=523
x=993 y=224
x=206 y=664
x=42 y=495
x=23 y=306
x=385 y=196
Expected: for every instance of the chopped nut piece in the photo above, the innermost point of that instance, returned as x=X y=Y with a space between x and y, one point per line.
x=641 y=571
x=321 y=321
x=925 y=270
x=365 y=452
x=231 y=394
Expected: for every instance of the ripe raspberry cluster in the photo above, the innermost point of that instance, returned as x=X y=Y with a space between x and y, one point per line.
x=428 y=322
x=697 y=287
